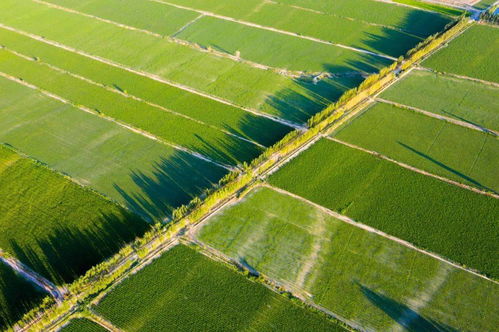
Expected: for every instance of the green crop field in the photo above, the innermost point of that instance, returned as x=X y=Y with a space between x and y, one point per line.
x=414 y=207
x=363 y=277
x=17 y=296
x=187 y=291
x=432 y=6
x=223 y=116
x=473 y=54
x=55 y=226
x=82 y=325
x=436 y=146
x=484 y=4
x=148 y=177
x=459 y=99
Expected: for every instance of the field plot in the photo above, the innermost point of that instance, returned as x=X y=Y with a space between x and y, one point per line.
x=464 y=100
x=17 y=296
x=187 y=291
x=237 y=82
x=365 y=278
x=82 y=325
x=473 y=54
x=414 y=207
x=233 y=119
x=148 y=177
x=436 y=146
x=484 y=4
x=55 y=226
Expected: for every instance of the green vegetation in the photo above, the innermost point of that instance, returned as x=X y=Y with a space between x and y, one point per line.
x=82 y=325
x=436 y=146
x=459 y=99
x=484 y=4
x=233 y=119
x=55 y=226
x=363 y=277
x=187 y=291
x=17 y=296
x=432 y=6
x=242 y=84
x=471 y=54
x=150 y=178
x=414 y=207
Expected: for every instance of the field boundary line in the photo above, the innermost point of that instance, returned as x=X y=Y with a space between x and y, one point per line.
x=127 y=95
x=415 y=169
x=284 y=32
x=33 y=277
x=100 y=320
x=111 y=119
x=153 y=77
x=440 y=117
x=463 y=77
x=188 y=24
x=370 y=229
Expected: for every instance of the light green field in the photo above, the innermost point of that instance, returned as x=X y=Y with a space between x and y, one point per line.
x=244 y=85
x=232 y=119
x=432 y=7
x=143 y=174
x=365 y=278
x=283 y=52
x=82 y=325
x=436 y=146
x=197 y=137
x=186 y=291
x=17 y=296
x=443 y=218
x=484 y=4
x=55 y=226
x=460 y=99
x=473 y=54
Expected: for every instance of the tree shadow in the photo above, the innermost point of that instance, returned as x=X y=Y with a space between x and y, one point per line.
x=447 y=168
x=17 y=296
x=457 y=117
x=402 y=314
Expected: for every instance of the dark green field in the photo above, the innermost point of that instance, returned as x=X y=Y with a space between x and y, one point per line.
x=82 y=325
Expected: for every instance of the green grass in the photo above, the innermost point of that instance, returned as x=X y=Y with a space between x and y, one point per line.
x=244 y=85
x=172 y=128
x=436 y=146
x=55 y=226
x=283 y=51
x=147 y=176
x=452 y=97
x=358 y=275
x=186 y=291
x=233 y=119
x=473 y=54
x=484 y=4
x=17 y=296
x=432 y=6
x=443 y=218
x=82 y=325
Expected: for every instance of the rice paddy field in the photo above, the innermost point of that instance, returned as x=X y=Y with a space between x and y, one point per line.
x=365 y=278
x=82 y=325
x=398 y=201
x=182 y=284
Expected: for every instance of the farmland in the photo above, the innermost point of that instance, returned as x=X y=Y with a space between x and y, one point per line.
x=82 y=325
x=460 y=99
x=471 y=54
x=427 y=143
x=183 y=283
x=360 y=276
x=400 y=202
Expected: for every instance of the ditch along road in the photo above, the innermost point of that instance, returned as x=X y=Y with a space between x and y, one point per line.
x=163 y=240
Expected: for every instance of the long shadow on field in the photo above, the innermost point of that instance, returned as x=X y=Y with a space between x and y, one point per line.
x=404 y=315
x=457 y=117
x=17 y=296
x=447 y=168
x=174 y=181
x=67 y=253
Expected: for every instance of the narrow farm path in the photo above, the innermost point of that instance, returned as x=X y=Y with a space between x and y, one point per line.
x=468 y=78
x=98 y=319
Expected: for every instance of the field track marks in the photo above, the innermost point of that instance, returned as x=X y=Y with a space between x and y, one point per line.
x=440 y=117
x=188 y=24
x=5 y=164
x=284 y=32
x=417 y=170
x=173 y=39
x=467 y=78
x=127 y=95
x=153 y=77
x=378 y=232
x=33 y=277
x=108 y=118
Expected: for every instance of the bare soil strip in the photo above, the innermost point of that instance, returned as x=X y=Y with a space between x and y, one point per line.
x=441 y=117
x=378 y=232
x=414 y=169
